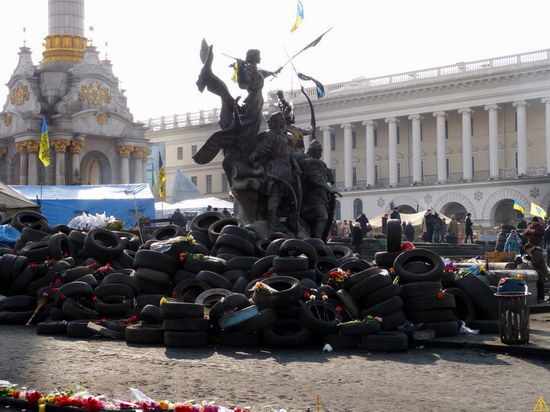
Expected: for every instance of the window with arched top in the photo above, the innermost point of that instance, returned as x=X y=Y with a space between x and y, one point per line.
x=357 y=207
x=337 y=210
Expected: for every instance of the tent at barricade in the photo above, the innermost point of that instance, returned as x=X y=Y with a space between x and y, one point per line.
x=191 y=206
x=60 y=204
x=416 y=219
x=12 y=202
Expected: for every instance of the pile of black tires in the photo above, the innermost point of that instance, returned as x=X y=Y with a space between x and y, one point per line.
x=231 y=287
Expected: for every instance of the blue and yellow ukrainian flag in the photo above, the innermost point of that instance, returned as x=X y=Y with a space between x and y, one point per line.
x=44 y=150
x=162 y=178
x=299 y=16
x=536 y=210
x=517 y=206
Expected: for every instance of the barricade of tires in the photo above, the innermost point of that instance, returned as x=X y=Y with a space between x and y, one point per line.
x=227 y=285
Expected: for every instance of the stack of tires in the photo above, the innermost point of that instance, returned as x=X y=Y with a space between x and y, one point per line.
x=377 y=295
x=393 y=244
x=483 y=312
x=184 y=324
x=502 y=236
x=154 y=271
x=425 y=305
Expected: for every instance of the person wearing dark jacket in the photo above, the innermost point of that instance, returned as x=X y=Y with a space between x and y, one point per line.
x=522 y=224
x=409 y=232
x=429 y=219
x=364 y=221
x=534 y=232
x=468 y=228
x=356 y=237
x=384 y=223
x=395 y=213
x=534 y=254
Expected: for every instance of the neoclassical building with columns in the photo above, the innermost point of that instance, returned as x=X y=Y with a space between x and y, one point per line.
x=92 y=134
x=468 y=137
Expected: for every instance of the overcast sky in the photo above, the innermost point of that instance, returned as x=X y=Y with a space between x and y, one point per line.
x=154 y=45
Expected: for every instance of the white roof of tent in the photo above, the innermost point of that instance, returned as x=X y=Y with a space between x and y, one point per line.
x=414 y=218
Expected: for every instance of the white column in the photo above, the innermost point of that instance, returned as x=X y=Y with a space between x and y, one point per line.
x=124 y=153
x=521 y=107
x=348 y=158
x=493 y=141
x=144 y=170
x=546 y=101
x=138 y=171
x=24 y=169
x=33 y=168
x=392 y=150
x=369 y=129
x=326 y=146
x=466 y=143
x=60 y=168
x=416 y=148
x=441 y=147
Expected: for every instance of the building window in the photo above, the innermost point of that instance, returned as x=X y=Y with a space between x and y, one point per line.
x=375 y=137
x=422 y=170
x=472 y=125
x=332 y=142
x=473 y=165
x=376 y=175
x=397 y=134
x=354 y=181
x=193 y=150
x=420 y=131
x=333 y=171
x=446 y=129
x=516 y=160
x=225 y=184
x=357 y=207
x=516 y=121
x=208 y=183
x=353 y=140
x=194 y=180
x=447 y=165
x=180 y=153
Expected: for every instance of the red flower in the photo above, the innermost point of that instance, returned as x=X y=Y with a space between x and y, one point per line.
x=133 y=319
x=62 y=298
x=33 y=266
x=33 y=396
x=102 y=321
x=440 y=295
x=306 y=295
x=53 y=290
x=174 y=294
x=108 y=265
x=339 y=309
x=94 y=298
x=93 y=265
x=323 y=293
x=182 y=257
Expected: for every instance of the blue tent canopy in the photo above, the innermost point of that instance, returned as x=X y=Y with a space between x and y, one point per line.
x=60 y=204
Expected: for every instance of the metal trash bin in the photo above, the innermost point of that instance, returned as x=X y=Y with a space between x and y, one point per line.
x=513 y=317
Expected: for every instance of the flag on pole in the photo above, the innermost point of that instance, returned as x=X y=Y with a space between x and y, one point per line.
x=318 y=84
x=44 y=150
x=536 y=210
x=517 y=206
x=162 y=178
x=299 y=16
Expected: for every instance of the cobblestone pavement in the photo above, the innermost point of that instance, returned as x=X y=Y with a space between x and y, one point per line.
x=422 y=379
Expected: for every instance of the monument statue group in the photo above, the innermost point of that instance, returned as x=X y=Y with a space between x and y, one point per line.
x=278 y=186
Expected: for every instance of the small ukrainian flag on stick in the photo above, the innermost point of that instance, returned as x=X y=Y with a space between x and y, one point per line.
x=536 y=210
x=299 y=16
x=517 y=206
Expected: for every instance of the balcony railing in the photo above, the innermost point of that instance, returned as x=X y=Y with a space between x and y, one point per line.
x=429 y=180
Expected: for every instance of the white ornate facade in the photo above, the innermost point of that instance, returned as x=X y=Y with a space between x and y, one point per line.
x=471 y=137
x=93 y=137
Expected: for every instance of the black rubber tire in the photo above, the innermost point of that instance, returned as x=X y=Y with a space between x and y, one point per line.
x=150 y=314
x=76 y=311
x=189 y=290
x=288 y=292
x=274 y=246
x=90 y=280
x=286 y=333
x=79 y=329
x=187 y=324
x=203 y=221
x=71 y=290
x=342 y=342
x=201 y=237
x=20 y=284
x=196 y=265
x=357 y=278
x=18 y=303
x=413 y=290
x=483 y=298
x=215 y=228
x=36 y=251
x=297 y=247
x=386 y=259
x=114 y=289
x=210 y=297
x=260 y=267
x=340 y=252
x=148 y=334
x=356 y=266
x=436 y=263
x=431 y=316
x=265 y=318
x=156 y=277
x=384 y=308
x=323 y=265
x=155 y=260
x=233 y=338
x=214 y=280
x=430 y=302
x=236 y=242
x=231 y=303
x=393 y=320
x=51 y=328
x=240 y=263
x=385 y=341
x=310 y=274
x=32 y=235
x=261 y=247
x=348 y=304
x=234 y=275
x=393 y=235
x=181 y=310
x=381 y=295
x=77 y=238
x=369 y=285
x=124 y=279
x=321 y=317
x=167 y=232
x=103 y=245
x=240 y=285
x=290 y=263
x=113 y=306
x=60 y=246
x=464 y=308
x=25 y=218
